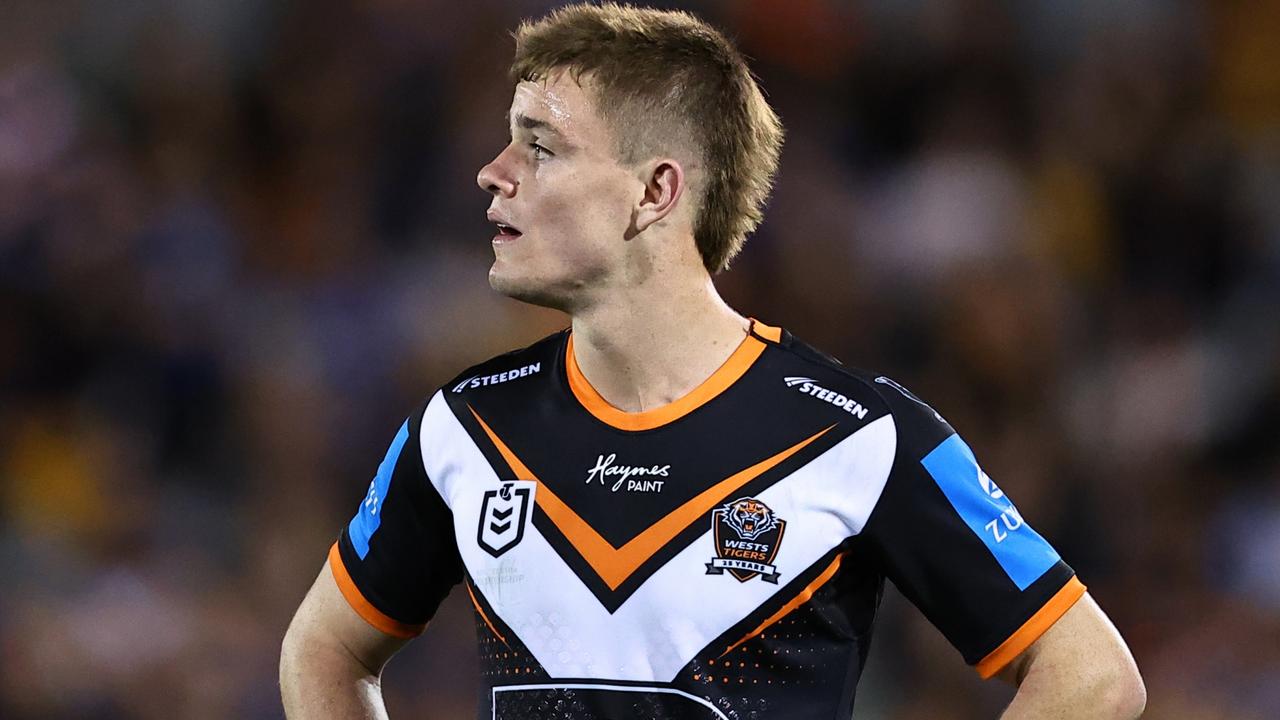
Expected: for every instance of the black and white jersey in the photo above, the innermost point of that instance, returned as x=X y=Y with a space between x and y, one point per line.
x=720 y=557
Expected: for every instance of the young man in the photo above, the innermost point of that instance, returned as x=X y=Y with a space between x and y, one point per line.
x=670 y=510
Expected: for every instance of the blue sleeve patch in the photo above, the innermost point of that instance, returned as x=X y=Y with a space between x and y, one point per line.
x=1021 y=552
x=369 y=516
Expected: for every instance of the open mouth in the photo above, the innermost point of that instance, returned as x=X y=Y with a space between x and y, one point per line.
x=506 y=233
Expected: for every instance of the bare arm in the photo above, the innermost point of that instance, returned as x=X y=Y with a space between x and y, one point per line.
x=1079 y=668
x=331 y=661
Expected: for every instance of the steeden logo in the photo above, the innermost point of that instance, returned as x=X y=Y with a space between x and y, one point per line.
x=476 y=381
x=809 y=386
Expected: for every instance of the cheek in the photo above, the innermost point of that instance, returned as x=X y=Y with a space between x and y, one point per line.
x=607 y=206
x=587 y=211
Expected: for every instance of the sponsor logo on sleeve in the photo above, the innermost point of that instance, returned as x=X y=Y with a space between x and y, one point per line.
x=747 y=535
x=1020 y=551
x=369 y=517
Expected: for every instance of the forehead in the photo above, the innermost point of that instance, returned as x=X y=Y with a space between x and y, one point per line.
x=563 y=104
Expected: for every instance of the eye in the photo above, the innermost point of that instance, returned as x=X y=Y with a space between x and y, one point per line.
x=540 y=152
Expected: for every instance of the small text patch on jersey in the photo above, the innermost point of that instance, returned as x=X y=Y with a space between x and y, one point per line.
x=747 y=535
x=369 y=516
x=809 y=386
x=476 y=381
x=1019 y=550
x=503 y=514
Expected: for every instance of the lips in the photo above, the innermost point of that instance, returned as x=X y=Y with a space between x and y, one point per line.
x=506 y=230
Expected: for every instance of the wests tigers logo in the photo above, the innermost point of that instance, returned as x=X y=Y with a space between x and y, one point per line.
x=750 y=518
x=747 y=535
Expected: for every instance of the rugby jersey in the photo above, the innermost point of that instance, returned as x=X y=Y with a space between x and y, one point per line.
x=719 y=557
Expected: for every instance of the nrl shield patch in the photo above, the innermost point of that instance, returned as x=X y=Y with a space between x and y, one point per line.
x=503 y=514
x=747 y=535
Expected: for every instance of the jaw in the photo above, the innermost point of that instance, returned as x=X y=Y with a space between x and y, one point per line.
x=516 y=282
x=555 y=275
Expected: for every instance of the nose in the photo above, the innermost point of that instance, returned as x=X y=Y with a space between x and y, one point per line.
x=495 y=178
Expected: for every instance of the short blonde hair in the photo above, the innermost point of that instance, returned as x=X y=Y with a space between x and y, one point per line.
x=674 y=82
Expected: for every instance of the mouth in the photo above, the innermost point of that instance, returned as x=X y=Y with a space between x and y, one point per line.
x=506 y=233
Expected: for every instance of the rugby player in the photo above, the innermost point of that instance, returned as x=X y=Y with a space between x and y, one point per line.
x=670 y=510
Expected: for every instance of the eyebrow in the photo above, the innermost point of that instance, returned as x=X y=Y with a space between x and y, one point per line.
x=529 y=123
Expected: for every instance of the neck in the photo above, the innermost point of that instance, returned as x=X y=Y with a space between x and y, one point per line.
x=652 y=343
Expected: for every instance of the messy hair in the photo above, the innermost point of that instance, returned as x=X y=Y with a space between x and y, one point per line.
x=666 y=81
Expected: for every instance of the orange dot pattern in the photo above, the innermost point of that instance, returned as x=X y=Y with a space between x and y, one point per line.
x=504 y=662
x=800 y=666
x=802 y=658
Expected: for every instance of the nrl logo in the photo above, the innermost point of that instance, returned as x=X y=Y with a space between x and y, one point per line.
x=502 y=516
x=747 y=535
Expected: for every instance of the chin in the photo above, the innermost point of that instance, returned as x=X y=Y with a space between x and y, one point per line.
x=525 y=289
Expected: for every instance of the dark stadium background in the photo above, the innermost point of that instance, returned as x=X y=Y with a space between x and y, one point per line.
x=240 y=241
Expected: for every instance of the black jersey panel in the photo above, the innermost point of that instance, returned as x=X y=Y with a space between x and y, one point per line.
x=796 y=661
x=400 y=549
x=950 y=539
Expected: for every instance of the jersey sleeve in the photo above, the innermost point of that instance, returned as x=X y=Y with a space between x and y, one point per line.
x=956 y=546
x=398 y=557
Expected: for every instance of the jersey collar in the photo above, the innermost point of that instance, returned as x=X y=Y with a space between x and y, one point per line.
x=751 y=347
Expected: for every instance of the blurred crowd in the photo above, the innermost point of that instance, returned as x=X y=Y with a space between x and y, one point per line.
x=239 y=242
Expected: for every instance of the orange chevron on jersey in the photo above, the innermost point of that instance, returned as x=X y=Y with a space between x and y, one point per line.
x=615 y=564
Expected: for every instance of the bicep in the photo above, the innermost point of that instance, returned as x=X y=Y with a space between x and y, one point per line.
x=326 y=617
x=1083 y=643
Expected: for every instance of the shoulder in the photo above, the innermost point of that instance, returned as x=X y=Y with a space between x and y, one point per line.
x=814 y=372
x=507 y=381
x=526 y=364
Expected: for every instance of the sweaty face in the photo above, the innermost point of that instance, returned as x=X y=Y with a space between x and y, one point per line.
x=561 y=202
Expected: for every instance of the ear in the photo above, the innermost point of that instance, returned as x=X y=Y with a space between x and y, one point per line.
x=663 y=186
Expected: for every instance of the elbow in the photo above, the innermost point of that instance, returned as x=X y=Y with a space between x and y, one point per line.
x=290 y=655
x=298 y=650
x=307 y=648
x=1134 y=700
x=1124 y=695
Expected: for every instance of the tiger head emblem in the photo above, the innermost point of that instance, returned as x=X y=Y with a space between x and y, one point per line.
x=750 y=518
